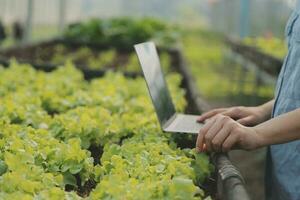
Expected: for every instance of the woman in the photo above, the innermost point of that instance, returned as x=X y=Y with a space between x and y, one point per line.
x=275 y=124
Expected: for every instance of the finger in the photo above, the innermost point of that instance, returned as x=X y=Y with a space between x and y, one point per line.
x=204 y=148
x=246 y=121
x=220 y=138
x=210 y=114
x=200 y=138
x=230 y=141
x=201 y=135
x=212 y=132
x=199 y=142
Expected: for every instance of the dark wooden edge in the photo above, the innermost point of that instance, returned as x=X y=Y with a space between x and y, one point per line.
x=231 y=186
x=266 y=62
x=30 y=45
x=88 y=73
x=69 y=43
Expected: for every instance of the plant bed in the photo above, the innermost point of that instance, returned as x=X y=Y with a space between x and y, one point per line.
x=85 y=116
x=273 y=46
x=266 y=62
x=86 y=57
x=122 y=32
x=195 y=105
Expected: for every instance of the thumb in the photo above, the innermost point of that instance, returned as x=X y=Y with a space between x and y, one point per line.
x=246 y=121
x=233 y=113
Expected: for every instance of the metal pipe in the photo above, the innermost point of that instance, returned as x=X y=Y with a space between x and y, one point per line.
x=244 y=18
x=28 y=27
x=231 y=184
x=62 y=15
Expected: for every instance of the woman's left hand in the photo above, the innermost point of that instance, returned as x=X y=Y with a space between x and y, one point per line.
x=221 y=134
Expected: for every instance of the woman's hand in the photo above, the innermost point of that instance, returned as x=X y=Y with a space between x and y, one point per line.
x=221 y=134
x=247 y=116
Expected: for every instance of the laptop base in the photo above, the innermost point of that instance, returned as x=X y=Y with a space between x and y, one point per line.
x=182 y=123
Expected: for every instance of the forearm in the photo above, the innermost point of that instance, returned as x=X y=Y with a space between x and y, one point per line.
x=282 y=129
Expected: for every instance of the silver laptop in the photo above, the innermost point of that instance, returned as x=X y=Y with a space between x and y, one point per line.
x=169 y=120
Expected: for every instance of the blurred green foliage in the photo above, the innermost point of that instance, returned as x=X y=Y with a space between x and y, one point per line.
x=272 y=46
x=218 y=79
x=122 y=33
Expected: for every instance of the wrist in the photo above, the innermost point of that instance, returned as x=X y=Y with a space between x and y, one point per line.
x=262 y=140
x=265 y=112
x=267 y=108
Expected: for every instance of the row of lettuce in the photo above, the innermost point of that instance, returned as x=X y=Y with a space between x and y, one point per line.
x=125 y=32
x=275 y=47
x=122 y=33
x=51 y=124
x=219 y=78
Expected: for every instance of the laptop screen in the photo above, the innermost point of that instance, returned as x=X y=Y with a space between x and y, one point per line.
x=155 y=80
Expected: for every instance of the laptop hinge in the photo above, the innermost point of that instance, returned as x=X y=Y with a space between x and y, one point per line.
x=169 y=121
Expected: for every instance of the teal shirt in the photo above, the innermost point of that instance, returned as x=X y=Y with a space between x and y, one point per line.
x=283 y=160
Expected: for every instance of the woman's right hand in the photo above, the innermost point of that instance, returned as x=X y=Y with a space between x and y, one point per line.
x=247 y=116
